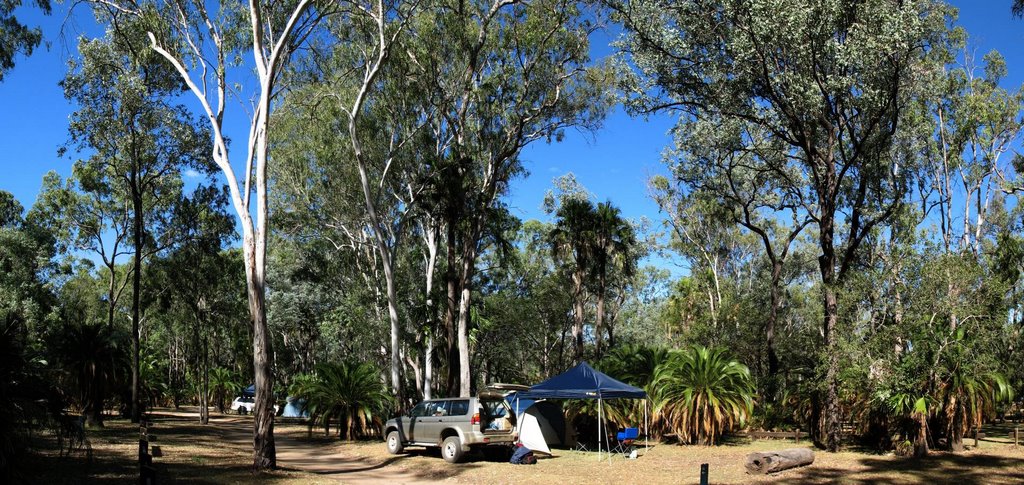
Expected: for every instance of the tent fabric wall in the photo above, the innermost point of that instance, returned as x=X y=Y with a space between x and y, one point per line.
x=541 y=425
x=295 y=408
x=530 y=433
x=550 y=413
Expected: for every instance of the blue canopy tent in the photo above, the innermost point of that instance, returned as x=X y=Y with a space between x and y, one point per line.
x=585 y=382
x=249 y=391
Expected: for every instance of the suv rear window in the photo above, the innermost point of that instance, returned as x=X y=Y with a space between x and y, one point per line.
x=459 y=408
x=495 y=409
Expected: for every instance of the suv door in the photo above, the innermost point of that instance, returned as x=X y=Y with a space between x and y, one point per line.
x=412 y=424
x=430 y=426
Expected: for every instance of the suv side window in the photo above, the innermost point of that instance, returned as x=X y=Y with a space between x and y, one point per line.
x=420 y=410
x=459 y=408
x=438 y=408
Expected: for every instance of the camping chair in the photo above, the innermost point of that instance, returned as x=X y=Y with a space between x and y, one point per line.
x=581 y=444
x=624 y=440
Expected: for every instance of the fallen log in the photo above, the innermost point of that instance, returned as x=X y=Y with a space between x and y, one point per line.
x=763 y=463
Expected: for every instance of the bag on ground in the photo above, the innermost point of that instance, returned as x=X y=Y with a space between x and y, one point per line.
x=523 y=456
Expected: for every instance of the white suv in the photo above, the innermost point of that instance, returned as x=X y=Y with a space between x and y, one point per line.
x=246 y=405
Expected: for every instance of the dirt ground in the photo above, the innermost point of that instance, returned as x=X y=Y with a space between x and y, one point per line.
x=221 y=453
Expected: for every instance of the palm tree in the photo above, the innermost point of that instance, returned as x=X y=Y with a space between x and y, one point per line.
x=967 y=399
x=913 y=408
x=223 y=382
x=635 y=365
x=614 y=244
x=353 y=392
x=572 y=241
x=92 y=357
x=702 y=393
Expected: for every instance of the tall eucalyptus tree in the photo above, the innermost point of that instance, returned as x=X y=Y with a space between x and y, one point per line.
x=746 y=174
x=501 y=74
x=201 y=40
x=827 y=80
x=140 y=143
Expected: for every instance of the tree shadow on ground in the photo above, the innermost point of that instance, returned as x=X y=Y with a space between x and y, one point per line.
x=937 y=468
x=191 y=453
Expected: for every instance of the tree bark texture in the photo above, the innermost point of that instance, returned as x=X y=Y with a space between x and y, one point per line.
x=137 y=228
x=204 y=397
x=769 y=331
x=465 y=376
x=599 y=321
x=264 y=450
x=763 y=463
x=578 y=316
x=827 y=266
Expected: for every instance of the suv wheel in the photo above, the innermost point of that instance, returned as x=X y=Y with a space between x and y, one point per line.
x=451 y=449
x=394 y=443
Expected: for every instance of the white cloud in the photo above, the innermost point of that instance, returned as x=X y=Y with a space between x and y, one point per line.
x=191 y=173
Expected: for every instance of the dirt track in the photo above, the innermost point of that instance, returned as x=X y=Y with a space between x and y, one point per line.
x=310 y=456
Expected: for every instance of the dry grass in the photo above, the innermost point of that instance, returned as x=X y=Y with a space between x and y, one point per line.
x=220 y=453
x=681 y=464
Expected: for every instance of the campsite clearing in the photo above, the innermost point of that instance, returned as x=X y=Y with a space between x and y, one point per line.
x=218 y=453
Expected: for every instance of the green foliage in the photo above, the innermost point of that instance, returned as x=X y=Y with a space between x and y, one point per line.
x=29 y=401
x=700 y=393
x=352 y=392
x=93 y=359
x=15 y=37
x=223 y=384
x=638 y=366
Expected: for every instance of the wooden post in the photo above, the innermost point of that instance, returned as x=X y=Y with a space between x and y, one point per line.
x=1016 y=433
x=704 y=474
x=796 y=436
x=147 y=474
x=975 y=437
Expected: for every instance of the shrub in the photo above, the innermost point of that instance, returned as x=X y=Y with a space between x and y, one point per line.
x=352 y=392
x=701 y=393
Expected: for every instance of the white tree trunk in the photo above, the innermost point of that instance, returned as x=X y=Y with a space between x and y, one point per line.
x=430 y=239
x=465 y=379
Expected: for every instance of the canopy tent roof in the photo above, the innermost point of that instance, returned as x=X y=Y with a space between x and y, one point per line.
x=582 y=382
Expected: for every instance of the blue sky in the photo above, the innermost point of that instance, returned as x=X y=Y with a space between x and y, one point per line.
x=613 y=164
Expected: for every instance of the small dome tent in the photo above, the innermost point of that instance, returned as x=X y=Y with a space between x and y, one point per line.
x=540 y=425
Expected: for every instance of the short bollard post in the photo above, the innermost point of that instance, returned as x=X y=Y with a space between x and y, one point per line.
x=147 y=474
x=704 y=474
x=1016 y=433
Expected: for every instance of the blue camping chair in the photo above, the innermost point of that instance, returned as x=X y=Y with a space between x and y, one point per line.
x=625 y=440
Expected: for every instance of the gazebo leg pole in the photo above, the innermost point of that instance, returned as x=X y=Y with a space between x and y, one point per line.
x=517 y=429
x=604 y=435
